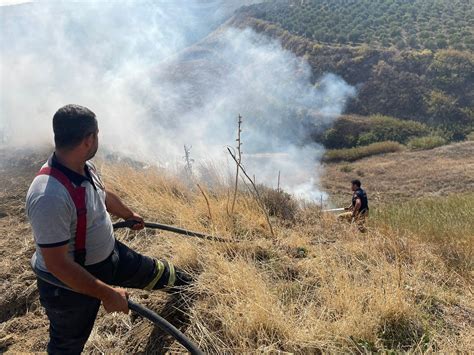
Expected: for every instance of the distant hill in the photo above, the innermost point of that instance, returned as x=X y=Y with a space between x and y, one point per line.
x=418 y=24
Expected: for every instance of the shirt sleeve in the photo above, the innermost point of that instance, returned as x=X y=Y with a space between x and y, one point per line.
x=50 y=217
x=95 y=175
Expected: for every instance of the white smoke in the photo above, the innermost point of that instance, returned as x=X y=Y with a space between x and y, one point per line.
x=159 y=76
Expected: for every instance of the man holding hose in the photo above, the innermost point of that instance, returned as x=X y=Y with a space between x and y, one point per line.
x=359 y=207
x=68 y=208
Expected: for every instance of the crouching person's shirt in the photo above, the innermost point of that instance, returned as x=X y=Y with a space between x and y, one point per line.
x=52 y=214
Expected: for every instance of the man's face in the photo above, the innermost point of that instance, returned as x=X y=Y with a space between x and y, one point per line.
x=354 y=187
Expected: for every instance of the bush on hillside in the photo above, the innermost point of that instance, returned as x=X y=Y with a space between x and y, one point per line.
x=352 y=154
x=384 y=128
x=350 y=131
x=428 y=142
x=278 y=203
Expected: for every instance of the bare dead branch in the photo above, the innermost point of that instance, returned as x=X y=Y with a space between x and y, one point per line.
x=257 y=194
x=188 y=160
x=238 y=161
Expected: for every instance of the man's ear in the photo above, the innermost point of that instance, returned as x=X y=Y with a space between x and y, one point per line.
x=88 y=141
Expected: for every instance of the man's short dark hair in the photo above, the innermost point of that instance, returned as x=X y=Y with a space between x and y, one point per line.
x=71 y=124
x=356 y=182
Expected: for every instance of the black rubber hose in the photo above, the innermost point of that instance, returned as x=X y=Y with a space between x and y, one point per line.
x=164 y=325
x=131 y=223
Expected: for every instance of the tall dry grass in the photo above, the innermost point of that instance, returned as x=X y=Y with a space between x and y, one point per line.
x=432 y=218
x=447 y=222
x=318 y=286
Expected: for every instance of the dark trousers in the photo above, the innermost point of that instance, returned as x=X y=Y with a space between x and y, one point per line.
x=72 y=315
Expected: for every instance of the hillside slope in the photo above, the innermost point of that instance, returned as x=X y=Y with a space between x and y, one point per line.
x=433 y=86
x=316 y=286
x=406 y=175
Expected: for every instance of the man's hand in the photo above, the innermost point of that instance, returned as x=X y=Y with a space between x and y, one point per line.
x=138 y=218
x=116 y=301
x=117 y=208
x=80 y=280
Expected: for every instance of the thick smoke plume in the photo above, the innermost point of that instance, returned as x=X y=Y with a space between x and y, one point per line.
x=160 y=75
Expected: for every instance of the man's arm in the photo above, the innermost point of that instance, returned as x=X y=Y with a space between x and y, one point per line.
x=356 y=209
x=117 y=208
x=78 y=279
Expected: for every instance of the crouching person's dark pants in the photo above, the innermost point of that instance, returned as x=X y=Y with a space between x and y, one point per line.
x=72 y=315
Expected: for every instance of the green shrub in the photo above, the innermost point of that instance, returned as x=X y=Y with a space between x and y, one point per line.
x=470 y=136
x=367 y=138
x=352 y=154
x=349 y=131
x=385 y=128
x=428 y=142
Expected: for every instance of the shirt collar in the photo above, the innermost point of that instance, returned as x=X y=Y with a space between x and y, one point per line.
x=76 y=179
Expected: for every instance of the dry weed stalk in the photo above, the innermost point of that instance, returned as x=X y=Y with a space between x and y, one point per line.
x=256 y=193
x=207 y=202
x=278 y=184
x=238 y=160
x=188 y=160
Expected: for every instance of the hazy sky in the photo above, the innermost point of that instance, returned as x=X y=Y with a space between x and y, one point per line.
x=13 y=2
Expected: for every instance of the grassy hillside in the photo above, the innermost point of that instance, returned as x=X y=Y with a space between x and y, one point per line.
x=318 y=285
x=400 y=177
x=433 y=86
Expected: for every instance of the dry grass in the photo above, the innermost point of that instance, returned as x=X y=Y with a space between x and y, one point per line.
x=406 y=175
x=444 y=221
x=318 y=286
x=432 y=218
